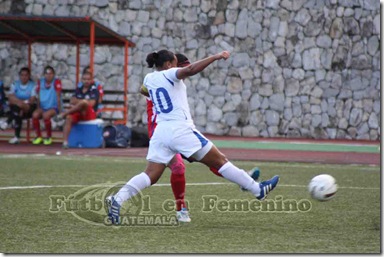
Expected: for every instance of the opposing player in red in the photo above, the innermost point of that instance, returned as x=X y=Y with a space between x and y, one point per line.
x=177 y=165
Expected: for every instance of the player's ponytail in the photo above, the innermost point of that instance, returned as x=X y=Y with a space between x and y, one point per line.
x=157 y=59
x=182 y=60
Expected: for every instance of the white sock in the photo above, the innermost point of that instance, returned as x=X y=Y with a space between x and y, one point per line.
x=240 y=177
x=133 y=187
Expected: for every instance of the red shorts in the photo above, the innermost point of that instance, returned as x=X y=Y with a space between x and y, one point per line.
x=89 y=114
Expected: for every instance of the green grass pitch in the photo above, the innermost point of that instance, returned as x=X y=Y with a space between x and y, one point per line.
x=349 y=223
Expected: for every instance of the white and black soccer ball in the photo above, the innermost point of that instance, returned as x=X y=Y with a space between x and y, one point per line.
x=322 y=187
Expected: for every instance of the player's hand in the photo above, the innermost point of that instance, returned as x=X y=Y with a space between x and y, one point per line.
x=223 y=55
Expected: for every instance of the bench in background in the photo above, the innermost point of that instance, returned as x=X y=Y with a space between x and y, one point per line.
x=106 y=113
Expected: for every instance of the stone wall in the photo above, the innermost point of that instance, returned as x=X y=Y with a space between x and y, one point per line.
x=298 y=68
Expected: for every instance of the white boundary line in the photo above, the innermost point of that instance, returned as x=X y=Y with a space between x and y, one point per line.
x=162 y=185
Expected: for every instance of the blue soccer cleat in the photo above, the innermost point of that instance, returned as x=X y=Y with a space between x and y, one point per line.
x=267 y=186
x=254 y=173
x=113 y=210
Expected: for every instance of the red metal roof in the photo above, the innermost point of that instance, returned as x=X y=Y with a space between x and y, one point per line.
x=52 y=29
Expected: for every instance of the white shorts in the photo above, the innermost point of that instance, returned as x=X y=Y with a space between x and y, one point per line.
x=172 y=137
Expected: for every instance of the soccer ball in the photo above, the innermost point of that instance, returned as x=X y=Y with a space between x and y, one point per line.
x=322 y=187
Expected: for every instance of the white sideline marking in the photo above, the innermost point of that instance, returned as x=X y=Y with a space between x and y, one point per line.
x=161 y=185
x=15 y=156
x=40 y=186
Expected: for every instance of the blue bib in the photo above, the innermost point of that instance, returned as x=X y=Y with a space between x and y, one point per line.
x=47 y=95
x=22 y=92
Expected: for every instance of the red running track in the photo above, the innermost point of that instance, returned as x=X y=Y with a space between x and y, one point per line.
x=231 y=153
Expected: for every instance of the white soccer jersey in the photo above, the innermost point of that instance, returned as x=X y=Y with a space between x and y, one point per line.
x=169 y=96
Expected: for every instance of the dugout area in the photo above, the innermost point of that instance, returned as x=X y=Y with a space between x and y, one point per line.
x=69 y=30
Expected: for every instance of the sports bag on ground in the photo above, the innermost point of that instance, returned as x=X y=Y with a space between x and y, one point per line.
x=117 y=136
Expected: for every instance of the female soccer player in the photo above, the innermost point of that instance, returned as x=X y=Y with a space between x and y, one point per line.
x=176 y=133
x=22 y=102
x=49 y=104
x=176 y=165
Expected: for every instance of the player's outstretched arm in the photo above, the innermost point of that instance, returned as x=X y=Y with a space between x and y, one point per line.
x=200 y=65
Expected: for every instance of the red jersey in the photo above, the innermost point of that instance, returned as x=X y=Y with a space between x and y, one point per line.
x=151 y=118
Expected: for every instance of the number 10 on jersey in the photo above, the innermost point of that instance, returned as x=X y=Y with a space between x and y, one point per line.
x=161 y=100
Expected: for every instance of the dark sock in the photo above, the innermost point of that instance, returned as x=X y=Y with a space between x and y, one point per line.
x=14 y=111
x=18 y=122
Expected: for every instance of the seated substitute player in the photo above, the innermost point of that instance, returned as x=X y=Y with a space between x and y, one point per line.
x=83 y=106
x=48 y=91
x=99 y=87
x=176 y=165
x=176 y=133
x=22 y=102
